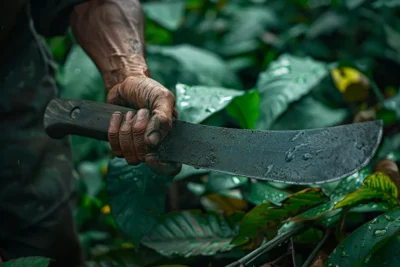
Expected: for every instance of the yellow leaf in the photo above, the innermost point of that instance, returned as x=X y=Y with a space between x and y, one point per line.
x=376 y=186
x=351 y=83
x=106 y=209
x=227 y=204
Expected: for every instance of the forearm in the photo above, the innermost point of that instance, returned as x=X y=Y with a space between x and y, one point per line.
x=112 y=34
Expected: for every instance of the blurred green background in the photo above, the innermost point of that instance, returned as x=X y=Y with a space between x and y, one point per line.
x=256 y=64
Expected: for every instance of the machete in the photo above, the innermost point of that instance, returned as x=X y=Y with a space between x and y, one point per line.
x=294 y=157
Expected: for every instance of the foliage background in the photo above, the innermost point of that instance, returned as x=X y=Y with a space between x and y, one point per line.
x=259 y=64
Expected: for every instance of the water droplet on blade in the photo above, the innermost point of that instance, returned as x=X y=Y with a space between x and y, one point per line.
x=269 y=168
x=307 y=156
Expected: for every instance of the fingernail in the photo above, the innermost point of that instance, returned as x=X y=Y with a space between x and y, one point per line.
x=128 y=116
x=141 y=115
x=116 y=118
x=154 y=138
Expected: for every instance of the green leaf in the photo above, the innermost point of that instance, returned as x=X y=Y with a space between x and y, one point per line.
x=261 y=192
x=189 y=171
x=386 y=3
x=358 y=248
x=265 y=218
x=82 y=80
x=167 y=14
x=315 y=212
x=387 y=255
x=376 y=186
x=390 y=148
x=309 y=113
x=286 y=80
x=197 y=103
x=246 y=26
x=218 y=182
x=393 y=104
x=327 y=23
x=351 y=183
x=137 y=197
x=190 y=233
x=92 y=176
x=245 y=109
x=194 y=66
x=27 y=262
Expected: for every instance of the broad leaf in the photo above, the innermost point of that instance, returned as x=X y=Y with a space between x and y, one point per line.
x=387 y=255
x=285 y=81
x=351 y=183
x=191 y=233
x=226 y=202
x=386 y=3
x=327 y=23
x=189 y=171
x=218 y=182
x=309 y=113
x=245 y=109
x=137 y=197
x=197 y=103
x=261 y=192
x=82 y=80
x=315 y=212
x=265 y=218
x=195 y=66
x=363 y=243
x=167 y=14
x=27 y=262
x=247 y=25
x=376 y=186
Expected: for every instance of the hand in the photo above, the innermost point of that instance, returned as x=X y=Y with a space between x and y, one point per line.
x=137 y=136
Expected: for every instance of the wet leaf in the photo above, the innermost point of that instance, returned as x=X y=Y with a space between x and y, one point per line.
x=261 y=192
x=286 y=80
x=245 y=109
x=191 y=233
x=137 y=197
x=327 y=23
x=197 y=103
x=358 y=248
x=314 y=213
x=167 y=14
x=351 y=183
x=265 y=218
x=388 y=255
x=27 y=262
x=375 y=186
x=218 y=182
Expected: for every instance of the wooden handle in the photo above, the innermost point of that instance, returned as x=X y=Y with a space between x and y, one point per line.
x=80 y=117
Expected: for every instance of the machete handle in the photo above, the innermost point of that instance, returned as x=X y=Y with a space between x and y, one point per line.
x=80 y=117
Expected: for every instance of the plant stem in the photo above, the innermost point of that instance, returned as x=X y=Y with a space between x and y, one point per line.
x=316 y=249
x=277 y=240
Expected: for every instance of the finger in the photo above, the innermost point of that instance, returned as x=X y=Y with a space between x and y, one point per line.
x=113 y=133
x=161 y=121
x=138 y=130
x=126 y=140
x=162 y=168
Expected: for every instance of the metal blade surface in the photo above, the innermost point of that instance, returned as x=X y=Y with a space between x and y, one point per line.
x=295 y=157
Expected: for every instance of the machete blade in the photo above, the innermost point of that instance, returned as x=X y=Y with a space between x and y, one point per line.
x=295 y=157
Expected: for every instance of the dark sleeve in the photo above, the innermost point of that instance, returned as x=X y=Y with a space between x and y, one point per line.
x=51 y=17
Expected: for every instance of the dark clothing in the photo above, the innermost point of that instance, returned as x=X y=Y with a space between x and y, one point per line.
x=37 y=189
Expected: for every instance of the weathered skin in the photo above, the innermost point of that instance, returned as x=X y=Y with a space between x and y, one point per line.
x=118 y=51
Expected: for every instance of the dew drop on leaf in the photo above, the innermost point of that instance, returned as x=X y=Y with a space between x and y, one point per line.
x=379 y=232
